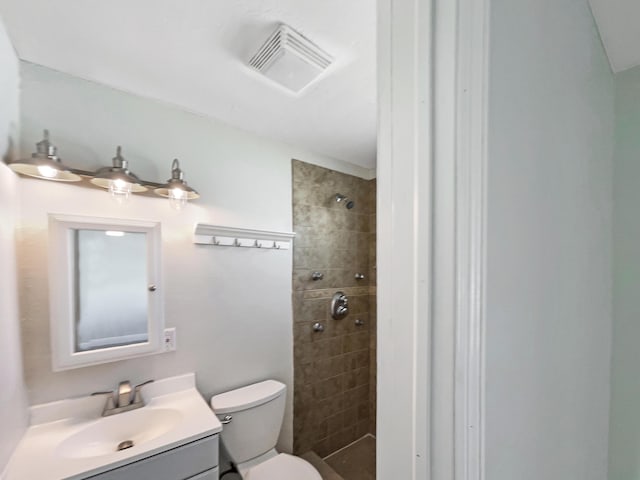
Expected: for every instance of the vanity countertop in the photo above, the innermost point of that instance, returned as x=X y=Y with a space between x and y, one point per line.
x=70 y=440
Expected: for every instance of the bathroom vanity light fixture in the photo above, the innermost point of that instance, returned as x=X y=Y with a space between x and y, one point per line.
x=44 y=163
x=176 y=189
x=117 y=178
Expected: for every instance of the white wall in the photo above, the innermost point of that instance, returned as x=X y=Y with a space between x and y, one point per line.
x=624 y=462
x=549 y=243
x=231 y=307
x=13 y=400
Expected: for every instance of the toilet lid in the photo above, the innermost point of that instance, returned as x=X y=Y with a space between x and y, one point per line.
x=283 y=467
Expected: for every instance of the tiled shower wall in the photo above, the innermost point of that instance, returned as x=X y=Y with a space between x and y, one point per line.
x=334 y=370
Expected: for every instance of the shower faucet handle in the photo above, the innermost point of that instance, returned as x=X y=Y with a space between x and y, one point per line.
x=317 y=276
x=339 y=305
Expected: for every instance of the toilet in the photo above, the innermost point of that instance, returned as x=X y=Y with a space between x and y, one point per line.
x=252 y=418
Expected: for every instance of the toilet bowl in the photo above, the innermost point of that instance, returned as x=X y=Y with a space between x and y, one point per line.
x=252 y=418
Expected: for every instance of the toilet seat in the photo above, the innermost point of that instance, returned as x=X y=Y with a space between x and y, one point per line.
x=283 y=467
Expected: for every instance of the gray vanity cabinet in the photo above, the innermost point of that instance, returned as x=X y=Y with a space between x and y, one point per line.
x=193 y=461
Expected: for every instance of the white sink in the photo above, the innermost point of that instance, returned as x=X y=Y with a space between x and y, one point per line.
x=70 y=439
x=103 y=436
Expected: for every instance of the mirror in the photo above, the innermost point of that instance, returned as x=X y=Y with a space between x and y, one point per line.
x=104 y=290
x=111 y=289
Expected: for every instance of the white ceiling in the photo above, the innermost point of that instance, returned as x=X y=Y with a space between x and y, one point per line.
x=193 y=53
x=618 y=24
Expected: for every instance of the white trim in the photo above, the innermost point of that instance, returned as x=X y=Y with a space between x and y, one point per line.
x=471 y=216
x=431 y=363
x=444 y=239
x=404 y=239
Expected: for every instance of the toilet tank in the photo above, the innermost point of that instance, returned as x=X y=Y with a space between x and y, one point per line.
x=257 y=411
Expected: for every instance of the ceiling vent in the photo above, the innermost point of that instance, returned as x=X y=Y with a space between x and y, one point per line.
x=290 y=59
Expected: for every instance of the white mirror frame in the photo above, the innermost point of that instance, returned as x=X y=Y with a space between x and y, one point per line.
x=62 y=291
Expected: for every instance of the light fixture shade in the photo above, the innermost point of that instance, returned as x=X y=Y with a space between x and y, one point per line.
x=177 y=183
x=106 y=176
x=44 y=164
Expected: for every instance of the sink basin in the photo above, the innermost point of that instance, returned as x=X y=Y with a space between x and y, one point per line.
x=105 y=435
x=69 y=439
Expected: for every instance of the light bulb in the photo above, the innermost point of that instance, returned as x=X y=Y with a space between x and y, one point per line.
x=177 y=198
x=120 y=190
x=47 y=171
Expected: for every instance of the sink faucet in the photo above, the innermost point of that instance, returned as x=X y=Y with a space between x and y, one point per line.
x=124 y=394
x=121 y=401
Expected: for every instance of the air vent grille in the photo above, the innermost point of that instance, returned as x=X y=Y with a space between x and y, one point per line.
x=290 y=59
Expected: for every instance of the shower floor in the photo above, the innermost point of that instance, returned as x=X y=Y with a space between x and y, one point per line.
x=356 y=461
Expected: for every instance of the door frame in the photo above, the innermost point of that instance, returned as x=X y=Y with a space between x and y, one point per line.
x=433 y=59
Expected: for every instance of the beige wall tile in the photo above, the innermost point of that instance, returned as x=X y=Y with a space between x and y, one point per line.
x=334 y=397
